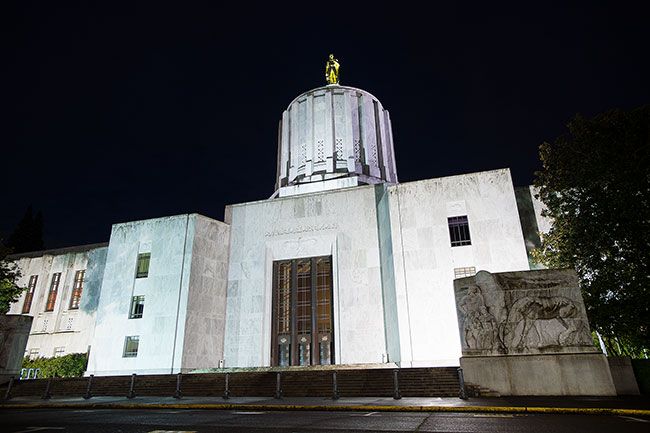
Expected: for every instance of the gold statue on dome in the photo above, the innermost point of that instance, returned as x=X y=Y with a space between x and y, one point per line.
x=332 y=70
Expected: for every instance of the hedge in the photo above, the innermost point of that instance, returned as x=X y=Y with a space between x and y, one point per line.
x=72 y=365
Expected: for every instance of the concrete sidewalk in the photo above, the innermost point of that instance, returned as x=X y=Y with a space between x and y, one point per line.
x=639 y=406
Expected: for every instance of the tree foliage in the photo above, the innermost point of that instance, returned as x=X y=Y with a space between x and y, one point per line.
x=595 y=184
x=28 y=234
x=9 y=275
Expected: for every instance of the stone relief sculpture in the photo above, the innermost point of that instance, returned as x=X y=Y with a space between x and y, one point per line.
x=479 y=326
x=521 y=312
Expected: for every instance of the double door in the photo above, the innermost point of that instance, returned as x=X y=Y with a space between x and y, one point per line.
x=303 y=326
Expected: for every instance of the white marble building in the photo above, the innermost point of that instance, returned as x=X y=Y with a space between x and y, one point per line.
x=63 y=288
x=341 y=265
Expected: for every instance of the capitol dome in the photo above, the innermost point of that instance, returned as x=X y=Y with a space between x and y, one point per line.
x=334 y=137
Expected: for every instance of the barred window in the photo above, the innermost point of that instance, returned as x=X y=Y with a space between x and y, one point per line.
x=143 y=265
x=137 y=307
x=131 y=346
x=54 y=290
x=464 y=272
x=29 y=296
x=459 y=231
x=77 y=288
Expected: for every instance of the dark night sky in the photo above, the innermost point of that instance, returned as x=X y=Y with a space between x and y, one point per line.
x=130 y=111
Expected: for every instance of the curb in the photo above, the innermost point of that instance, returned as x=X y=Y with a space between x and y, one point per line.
x=335 y=408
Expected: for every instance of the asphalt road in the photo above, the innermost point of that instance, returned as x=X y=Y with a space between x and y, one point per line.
x=213 y=421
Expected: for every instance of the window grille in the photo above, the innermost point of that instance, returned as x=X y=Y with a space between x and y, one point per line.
x=143 y=265
x=77 y=289
x=464 y=272
x=459 y=231
x=131 y=344
x=54 y=289
x=137 y=307
x=29 y=296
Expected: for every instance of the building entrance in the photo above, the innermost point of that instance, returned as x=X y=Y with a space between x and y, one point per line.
x=303 y=326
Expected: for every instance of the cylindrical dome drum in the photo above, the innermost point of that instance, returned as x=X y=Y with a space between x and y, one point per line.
x=335 y=132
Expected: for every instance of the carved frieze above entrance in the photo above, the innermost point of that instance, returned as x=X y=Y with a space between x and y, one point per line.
x=301 y=229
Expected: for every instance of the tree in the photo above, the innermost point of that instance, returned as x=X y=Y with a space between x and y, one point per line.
x=9 y=275
x=595 y=184
x=28 y=234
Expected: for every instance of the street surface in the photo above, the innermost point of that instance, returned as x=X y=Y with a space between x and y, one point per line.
x=232 y=421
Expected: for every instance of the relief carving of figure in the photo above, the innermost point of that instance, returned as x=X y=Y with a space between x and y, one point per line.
x=531 y=311
x=479 y=326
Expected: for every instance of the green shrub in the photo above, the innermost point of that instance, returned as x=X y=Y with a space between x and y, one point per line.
x=72 y=365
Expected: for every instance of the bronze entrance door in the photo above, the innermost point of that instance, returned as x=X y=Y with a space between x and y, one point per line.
x=303 y=325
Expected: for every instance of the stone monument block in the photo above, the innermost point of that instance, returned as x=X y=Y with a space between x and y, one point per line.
x=527 y=333
x=14 y=332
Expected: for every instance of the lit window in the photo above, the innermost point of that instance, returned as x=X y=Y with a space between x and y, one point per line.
x=464 y=272
x=143 y=265
x=131 y=346
x=137 y=307
x=77 y=288
x=59 y=351
x=29 y=296
x=33 y=354
x=459 y=231
x=54 y=289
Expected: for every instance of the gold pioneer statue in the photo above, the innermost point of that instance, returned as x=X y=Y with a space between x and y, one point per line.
x=332 y=70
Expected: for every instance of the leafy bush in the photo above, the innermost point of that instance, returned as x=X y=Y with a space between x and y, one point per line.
x=72 y=365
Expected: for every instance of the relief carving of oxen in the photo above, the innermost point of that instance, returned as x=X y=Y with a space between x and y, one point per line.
x=531 y=311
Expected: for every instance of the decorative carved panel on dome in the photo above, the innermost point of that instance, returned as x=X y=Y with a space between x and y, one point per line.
x=332 y=131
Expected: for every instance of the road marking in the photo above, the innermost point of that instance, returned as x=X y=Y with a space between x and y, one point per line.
x=493 y=415
x=172 y=431
x=364 y=414
x=31 y=429
x=631 y=418
x=237 y=412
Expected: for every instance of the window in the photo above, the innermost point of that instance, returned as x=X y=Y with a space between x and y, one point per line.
x=459 y=231
x=54 y=289
x=302 y=312
x=143 y=265
x=29 y=296
x=33 y=354
x=464 y=272
x=131 y=346
x=77 y=288
x=59 y=351
x=137 y=307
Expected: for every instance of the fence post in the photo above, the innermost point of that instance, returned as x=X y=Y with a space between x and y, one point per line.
x=226 y=393
x=278 y=386
x=461 y=380
x=177 y=393
x=87 y=395
x=335 y=391
x=9 y=386
x=131 y=393
x=396 y=394
x=47 y=395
